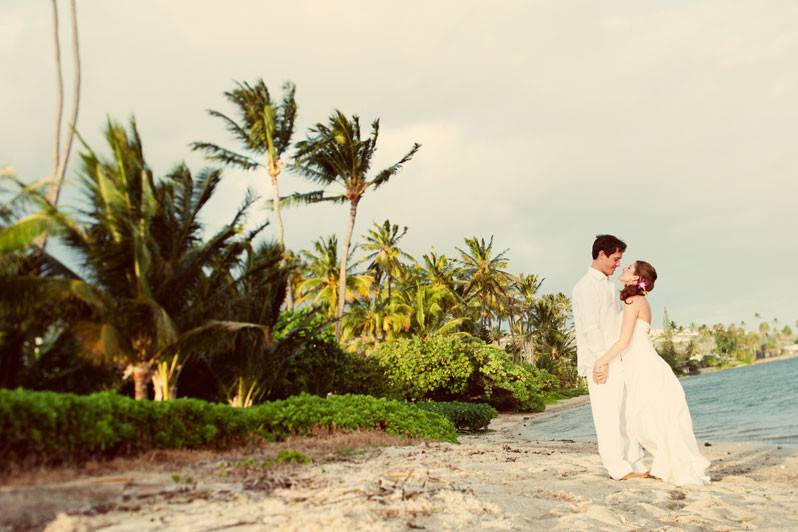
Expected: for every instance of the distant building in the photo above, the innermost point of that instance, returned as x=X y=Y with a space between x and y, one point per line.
x=679 y=338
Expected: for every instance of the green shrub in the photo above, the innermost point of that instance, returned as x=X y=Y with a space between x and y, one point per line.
x=304 y=358
x=437 y=368
x=54 y=427
x=466 y=417
x=460 y=367
x=287 y=456
x=554 y=396
x=319 y=366
x=505 y=384
x=548 y=382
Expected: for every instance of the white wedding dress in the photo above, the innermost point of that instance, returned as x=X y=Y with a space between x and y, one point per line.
x=657 y=413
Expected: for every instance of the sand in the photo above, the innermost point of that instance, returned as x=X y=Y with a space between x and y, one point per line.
x=492 y=481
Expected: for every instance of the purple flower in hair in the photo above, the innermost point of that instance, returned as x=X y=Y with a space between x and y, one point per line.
x=642 y=284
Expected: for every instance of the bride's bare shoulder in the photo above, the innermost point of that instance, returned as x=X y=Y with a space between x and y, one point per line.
x=635 y=301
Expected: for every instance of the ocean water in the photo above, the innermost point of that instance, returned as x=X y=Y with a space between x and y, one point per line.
x=756 y=404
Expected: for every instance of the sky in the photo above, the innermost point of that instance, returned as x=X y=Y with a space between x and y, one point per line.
x=543 y=123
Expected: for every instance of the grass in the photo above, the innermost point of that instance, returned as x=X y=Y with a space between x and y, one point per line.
x=550 y=398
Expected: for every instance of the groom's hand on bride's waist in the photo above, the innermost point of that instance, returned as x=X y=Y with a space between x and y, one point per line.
x=600 y=373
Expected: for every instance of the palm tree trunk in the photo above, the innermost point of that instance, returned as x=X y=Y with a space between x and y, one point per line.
x=52 y=190
x=55 y=190
x=141 y=376
x=59 y=95
x=342 y=275
x=278 y=222
x=61 y=157
x=512 y=334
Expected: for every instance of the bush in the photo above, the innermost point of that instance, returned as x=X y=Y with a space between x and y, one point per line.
x=460 y=367
x=505 y=384
x=319 y=366
x=554 y=396
x=305 y=358
x=53 y=427
x=466 y=417
x=436 y=368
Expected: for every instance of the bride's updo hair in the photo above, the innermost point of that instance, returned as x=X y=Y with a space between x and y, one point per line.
x=647 y=277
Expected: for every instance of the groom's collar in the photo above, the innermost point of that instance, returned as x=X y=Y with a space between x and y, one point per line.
x=597 y=274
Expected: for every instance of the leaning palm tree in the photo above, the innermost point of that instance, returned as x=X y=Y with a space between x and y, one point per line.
x=60 y=155
x=320 y=286
x=383 y=254
x=264 y=131
x=485 y=275
x=336 y=153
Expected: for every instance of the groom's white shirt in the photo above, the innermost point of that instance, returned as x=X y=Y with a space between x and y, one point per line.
x=596 y=318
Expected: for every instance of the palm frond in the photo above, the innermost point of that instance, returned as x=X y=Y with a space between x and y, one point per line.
x=392 y=170
x=24 y=232
x=232 y=126
x=223 y=155
x=308 y=198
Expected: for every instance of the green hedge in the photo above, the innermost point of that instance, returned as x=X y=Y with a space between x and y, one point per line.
x=461 y=368
x=467 y=417
x=55 y=427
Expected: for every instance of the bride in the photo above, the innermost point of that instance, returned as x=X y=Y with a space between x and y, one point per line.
x=657 y=413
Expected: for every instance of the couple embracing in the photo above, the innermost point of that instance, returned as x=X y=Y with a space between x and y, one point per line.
x=636 y=400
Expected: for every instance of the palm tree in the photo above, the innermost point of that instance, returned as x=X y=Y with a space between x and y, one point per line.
x=264 y=131
x=428 y=311
x=21 y=256
x=321 y=283
x=554 y=338
x=374 y=320
x=149 y=286
x=336 y=153
x=383 y=253
x=439 y=270
x=484 y=274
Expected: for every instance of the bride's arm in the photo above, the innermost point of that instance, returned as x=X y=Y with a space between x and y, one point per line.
x=630 y=313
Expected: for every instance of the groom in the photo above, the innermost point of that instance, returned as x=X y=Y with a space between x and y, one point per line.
x=597 y=322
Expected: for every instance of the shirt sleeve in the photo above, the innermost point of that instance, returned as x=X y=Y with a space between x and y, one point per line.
x=588 y=305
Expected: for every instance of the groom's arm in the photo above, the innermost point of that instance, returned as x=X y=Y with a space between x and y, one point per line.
x=587 y=306
x=590 y=310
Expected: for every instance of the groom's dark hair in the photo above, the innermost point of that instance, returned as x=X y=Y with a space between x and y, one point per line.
x=608 y=244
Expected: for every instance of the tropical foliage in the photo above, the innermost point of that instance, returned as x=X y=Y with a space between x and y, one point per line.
x=460 y=368
x=141 y=298
x=146 y=285
x=336 y=153
x=264 y=131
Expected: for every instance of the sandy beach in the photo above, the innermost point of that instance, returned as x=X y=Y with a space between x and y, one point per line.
x=492 y=481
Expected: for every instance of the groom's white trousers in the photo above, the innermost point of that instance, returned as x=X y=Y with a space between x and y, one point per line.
x=619 y=452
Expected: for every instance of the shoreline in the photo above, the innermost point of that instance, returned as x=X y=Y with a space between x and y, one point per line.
x=497 y=480
x=704 y=371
